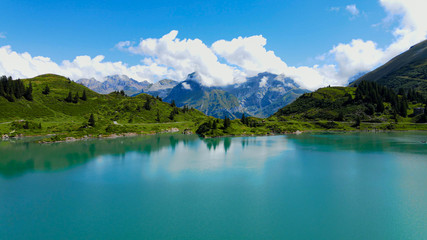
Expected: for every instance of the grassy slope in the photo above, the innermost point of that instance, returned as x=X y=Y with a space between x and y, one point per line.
x=321 y=110
x=60 y=117
x=313 y=111
x=407 y=70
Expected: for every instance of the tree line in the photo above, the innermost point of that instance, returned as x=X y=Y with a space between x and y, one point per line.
x=373 y=96
x=15 y=89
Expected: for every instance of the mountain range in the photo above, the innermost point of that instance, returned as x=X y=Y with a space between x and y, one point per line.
x=114 y=83
x=258 y=96
x=52 y=104
x=264 y=94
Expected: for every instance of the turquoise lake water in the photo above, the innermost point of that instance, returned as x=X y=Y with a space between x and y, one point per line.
x=308 y=186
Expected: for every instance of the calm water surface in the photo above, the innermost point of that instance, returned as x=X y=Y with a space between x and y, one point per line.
x=311 y=186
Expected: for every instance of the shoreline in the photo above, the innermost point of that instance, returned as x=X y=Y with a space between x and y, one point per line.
x=187 y=132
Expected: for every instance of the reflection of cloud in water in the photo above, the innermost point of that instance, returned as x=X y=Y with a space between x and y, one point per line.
x=216 y=154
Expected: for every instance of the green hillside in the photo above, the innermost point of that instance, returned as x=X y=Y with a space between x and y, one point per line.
x=407 y=70
x=113 y=113
x=369 y=103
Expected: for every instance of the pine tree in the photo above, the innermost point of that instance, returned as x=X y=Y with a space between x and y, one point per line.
x=147 y=104
x=172 y=115
x=358 y=121
x=340 y=116
x=158 y=116
x=173 y=103
x=243 y=119
x=403 y=108
x=227 y=122
x=91 y=121
x=214 y=125
x=29 y=93
x=2 y=93
x=46 y=90
x=76 y=98
x=84 y=97
x=380 y=106
x=69 y=98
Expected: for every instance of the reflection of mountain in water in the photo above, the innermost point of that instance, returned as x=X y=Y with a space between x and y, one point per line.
x=18 y=158
x=176 y=153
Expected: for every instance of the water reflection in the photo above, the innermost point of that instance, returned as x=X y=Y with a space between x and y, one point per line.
x=219 y=154
x=172 y=153
x=176 y=153
x=19 y=157
x=409 y=142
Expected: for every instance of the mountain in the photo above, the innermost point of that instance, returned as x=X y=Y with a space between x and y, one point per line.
x=260 y=96
x=407 y=70
x=264 y=94
x=161 y=88
x=115 y=83
x=211 y=101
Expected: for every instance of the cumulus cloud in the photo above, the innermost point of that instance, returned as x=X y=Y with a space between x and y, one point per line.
x=185 y=56
x=186 y=86
x=231 y=61
x=249 y=54
x=22 y=65
x=355 y=57
x=364 y=55
x=352 y=9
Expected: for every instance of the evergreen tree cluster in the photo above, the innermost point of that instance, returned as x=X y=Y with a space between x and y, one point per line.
x=248 y=122
x=15 y=89
x=174 y=112
x=209 y=126
x=374 y=95
x=227 y=122
x=147 y=104
x=185 y=109
x=76 y=97
x=121 y=93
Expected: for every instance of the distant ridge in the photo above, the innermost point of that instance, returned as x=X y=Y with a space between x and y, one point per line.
x=115 y=83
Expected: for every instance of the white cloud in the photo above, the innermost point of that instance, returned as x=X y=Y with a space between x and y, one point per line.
x=249 y=54
x=356 y=57
x=23 y=65
x=360 y=55
x=263 y=81
x=230 y=61
x=334 y=9
x=352 y=9
x=185 y=56
x=2 y=35
x=186 y=86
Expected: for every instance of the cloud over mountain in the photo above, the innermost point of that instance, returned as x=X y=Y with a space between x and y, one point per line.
x=231 y=61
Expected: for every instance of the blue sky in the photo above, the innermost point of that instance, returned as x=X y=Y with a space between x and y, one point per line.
x=297 y=31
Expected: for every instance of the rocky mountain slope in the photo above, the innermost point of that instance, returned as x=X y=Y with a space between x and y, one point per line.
x=115 y=83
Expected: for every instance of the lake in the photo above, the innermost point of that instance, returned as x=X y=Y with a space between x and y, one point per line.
x=308 y=186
